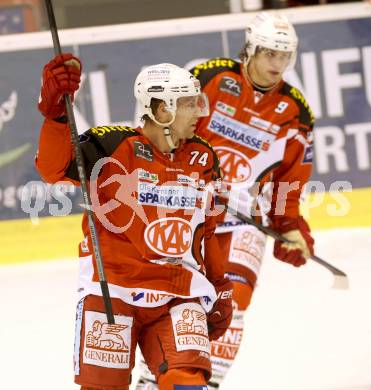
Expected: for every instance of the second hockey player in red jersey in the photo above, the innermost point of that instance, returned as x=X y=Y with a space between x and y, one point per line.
x=261 y=128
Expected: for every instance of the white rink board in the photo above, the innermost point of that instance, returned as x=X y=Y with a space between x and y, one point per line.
x=177 y=27
x=302 y=335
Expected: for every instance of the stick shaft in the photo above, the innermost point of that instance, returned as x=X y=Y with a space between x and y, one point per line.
x=82 y=175
x=270 y=232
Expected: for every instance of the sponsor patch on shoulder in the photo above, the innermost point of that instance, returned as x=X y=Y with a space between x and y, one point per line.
x=143 y=151
x=107 y=345
x=190 y=327
x=308 y=154
x=230 y=85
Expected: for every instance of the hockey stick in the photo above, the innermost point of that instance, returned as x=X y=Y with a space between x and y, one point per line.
x=340 y=278
x=82 y=174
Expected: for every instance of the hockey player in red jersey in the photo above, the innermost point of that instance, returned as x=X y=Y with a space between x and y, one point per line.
x=163 y=265
x=261 y=129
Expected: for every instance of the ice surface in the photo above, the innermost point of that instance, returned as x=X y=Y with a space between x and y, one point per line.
x=301 y=334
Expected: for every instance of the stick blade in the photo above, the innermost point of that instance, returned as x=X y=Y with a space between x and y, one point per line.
x=341 y=282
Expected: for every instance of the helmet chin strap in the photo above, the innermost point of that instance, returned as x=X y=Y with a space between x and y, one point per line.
x=169 y=139
x=166 y=129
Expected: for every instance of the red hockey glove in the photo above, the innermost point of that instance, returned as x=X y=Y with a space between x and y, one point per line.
x=298 y=231
x=60 y=76
x=220 y=317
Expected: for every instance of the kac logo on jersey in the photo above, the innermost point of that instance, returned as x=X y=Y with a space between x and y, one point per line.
x=234 y=164
x=169 y=236
x=240 y=132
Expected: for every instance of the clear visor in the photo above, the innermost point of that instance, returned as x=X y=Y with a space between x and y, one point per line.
x=270 y=54
x=197 y=106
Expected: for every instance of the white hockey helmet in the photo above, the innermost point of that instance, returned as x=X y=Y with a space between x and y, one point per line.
x=271 y=31
x=167 y=82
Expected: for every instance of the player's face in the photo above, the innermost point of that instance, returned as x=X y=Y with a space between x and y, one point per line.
x=267 y=66
x=189 y=110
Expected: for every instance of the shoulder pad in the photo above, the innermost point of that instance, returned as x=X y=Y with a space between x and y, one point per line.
x=200 y=140
x=306 y=115
x=99 y=142
x=209 y=69
x=103 y=131
x=108 y=137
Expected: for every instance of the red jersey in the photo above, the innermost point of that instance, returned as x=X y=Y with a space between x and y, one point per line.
x=154 y=234
x=259 y=138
